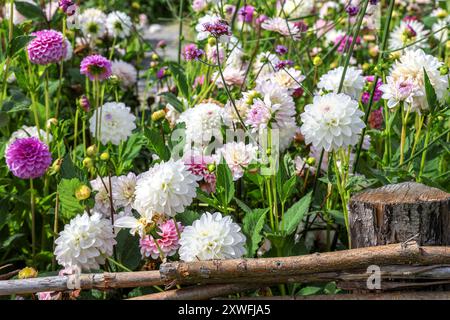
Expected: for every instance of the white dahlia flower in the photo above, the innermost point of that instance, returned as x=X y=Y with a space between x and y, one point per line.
x=238 y=156
x=93 y=23
x=118 y=24
x=125 y=71
x=123 y=191
x=353 y=82
x=440 y=30
x=332 y=121
x=26 y=132
x=407 y=33
x=202 y=123
x=85 y=242
x=69 y=51
x=289 y=78
x=233 y=77
x=410 y=66
x=400 y=90
x=276 y=109
x=264 y=64
x=102 y=199
x=167 y=188
x=212 y=237
x=117 y=123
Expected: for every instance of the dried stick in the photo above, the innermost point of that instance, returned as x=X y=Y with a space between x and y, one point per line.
x=199 y=292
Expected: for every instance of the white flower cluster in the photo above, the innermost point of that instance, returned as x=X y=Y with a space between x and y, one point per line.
x=212 y=237
x=116 y=123
x=406 y=80
x=85 y=242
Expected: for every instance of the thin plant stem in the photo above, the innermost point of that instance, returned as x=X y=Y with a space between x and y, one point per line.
x=425 y=146
x=180 y=30
x=33 y=219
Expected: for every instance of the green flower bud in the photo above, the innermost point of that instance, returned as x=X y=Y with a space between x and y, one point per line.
x=104 y=156
x=83 y=192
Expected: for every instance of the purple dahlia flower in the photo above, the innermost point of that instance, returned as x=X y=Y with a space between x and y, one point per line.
x=49 y=46
x=192 y=52
x=28 y=158
x=96 y=67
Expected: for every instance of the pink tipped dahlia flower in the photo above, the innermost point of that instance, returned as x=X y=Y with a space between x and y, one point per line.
x=48 y=46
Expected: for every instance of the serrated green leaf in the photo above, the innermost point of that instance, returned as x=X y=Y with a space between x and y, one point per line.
x=180 y=79
x=156 y=144
x=69 y=170
x=242 y=205
x=224 y=184
x=173 y=100
x=70 y=206
x=294 y=214
x=430 y=92
x=252 y=225
x=187 y=217
x=128 y=249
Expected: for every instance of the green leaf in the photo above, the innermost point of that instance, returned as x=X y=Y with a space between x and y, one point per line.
x=70 y=206
x=11 y=239
x=430 y=92
x=307 y=291
x=29 y=10
x=18 y=43
x=131 y=150
x=180 y=78
x=288 y=188
x=156 y=144
x=243 y=206
x=187 y=217
x=252 y=225
x=4 y=119
x=69 y=170
x=224 y=184
x=173 y=100
x=128 y=249
x=294 y=214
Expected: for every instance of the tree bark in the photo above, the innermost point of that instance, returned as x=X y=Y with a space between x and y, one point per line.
x=400 y=212
x=373 y=296
x=200 y=292
x=225 y=270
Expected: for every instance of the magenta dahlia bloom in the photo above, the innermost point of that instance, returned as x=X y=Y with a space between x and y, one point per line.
x=344 y=42
x=49 y=46
x=168 y=241
x=198 y=165
x=365 y=98
x=192 y=52
x=28 y=158
x=96 y=67
x=67 y=6
x=246 y=13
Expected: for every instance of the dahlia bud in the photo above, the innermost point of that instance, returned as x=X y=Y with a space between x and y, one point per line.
x=161 y=44
x=440 y=118
x=88 y=162
x=92 y=150
x=27 y=273
x=51 y=122
x=317 y=61
x=311 y=161
x=212 y=41
x=373 y=51
x=155 y=57
x=56 y=166
x=153 y=64
x=135 y=5
x=84 y=103
x=114 y=80
x=158 y=115
x=395 y=55
x=269 y=151
x=83 y=192
x=365 y=66
x=441 y=14
x=443 y=70
x=334 y=64
x=104 y=156
x=211 y=167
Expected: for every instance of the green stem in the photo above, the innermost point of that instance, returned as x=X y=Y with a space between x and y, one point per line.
x=424 y=153
x=8 y=54
x=33 y=219
x=180 y=30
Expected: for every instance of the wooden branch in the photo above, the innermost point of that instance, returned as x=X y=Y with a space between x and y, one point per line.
x=9 y=275
x=349 y=266
x=424 y=295
x=100 y=281
x=224 y=270
x=200 y=292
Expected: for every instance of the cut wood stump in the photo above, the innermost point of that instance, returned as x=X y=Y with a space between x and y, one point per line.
x=398 y=213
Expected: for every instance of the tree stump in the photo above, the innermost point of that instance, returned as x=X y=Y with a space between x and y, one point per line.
x=400 y=212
